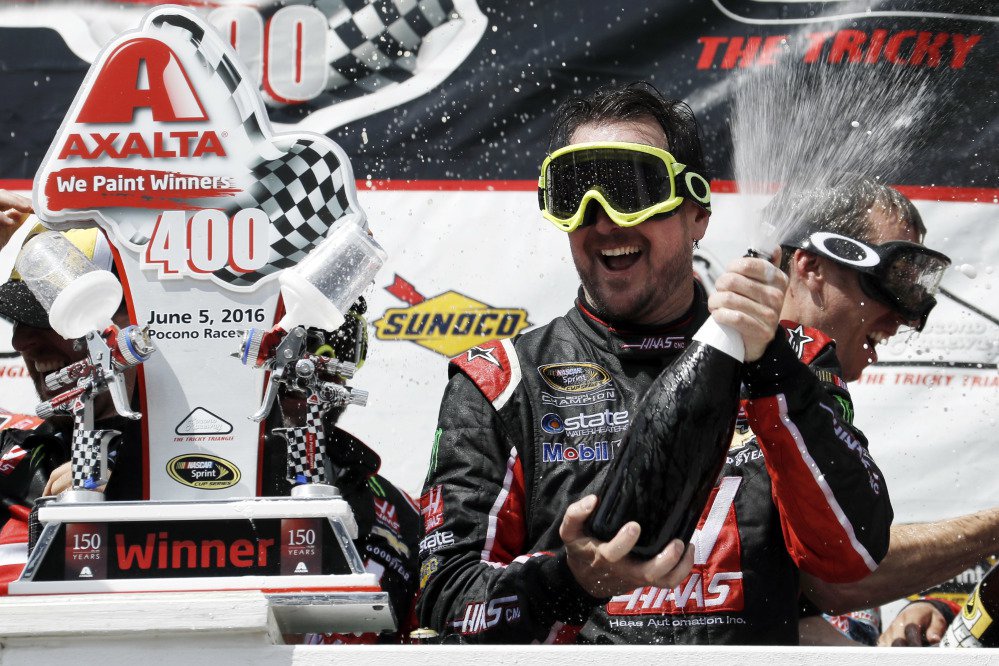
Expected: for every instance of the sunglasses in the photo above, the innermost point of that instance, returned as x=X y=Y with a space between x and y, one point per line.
x=904 y=276
x=631 y=181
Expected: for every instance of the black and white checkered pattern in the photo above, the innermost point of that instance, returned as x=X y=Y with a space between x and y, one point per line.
x=304 y=194
x=299 y=469
x=373 y=43
x=300 y=183
x=377 y=44
x=89 y=460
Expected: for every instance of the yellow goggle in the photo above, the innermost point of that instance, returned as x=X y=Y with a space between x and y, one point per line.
x=631 y=181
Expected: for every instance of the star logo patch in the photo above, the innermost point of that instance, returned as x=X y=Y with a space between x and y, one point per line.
x=798 y=339
x=479 y=352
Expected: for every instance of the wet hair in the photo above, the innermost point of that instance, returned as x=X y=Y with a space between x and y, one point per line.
x=630 y=102
x=844 y=207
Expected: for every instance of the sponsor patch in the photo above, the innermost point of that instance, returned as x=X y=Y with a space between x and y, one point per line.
x=715 y=582
x=432 y=508
x=594 y=424
x=427 y=569
x=582 y=452
x=392 y=538
x=385 y=514
x=434 y=542
x=481 y=615
x=740 y=438
x=607 y=394
x=552 y=424
x=203 y=472
x=658 y=342
x=449 y=323
x=574 y=377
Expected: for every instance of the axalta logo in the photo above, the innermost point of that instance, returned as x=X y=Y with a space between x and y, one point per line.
x=561 y=452
x=574 y=377
x=203 y=472
x=586 y=424
x=158 y=144
x=168 y=146
x=142 y=77
x=448 y=323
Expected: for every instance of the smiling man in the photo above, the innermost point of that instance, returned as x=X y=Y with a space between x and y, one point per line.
x=528 y=426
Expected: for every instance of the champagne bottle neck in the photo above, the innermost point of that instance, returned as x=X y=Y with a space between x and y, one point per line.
x=723 y=338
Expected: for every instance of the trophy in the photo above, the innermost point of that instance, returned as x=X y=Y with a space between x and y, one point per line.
x=217 y=224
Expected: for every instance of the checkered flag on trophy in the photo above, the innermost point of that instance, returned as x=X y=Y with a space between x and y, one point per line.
x=89 y=460
x=307 y=448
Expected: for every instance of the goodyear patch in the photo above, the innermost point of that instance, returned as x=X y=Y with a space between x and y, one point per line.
x=574 y=377
x=203 y=472
x=448 y=323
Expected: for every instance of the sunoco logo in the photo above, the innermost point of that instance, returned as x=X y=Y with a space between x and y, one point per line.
x=574 y=377
x=448 y=323
x=203 y=472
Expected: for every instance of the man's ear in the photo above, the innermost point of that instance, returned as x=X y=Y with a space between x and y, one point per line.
x=807 y=268
x=699 y=223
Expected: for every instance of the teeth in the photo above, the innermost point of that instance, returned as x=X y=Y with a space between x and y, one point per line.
x=878 y=338
x=619 y=251
x=43 y=367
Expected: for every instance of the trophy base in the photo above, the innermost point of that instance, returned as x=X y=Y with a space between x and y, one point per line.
x=297 y=551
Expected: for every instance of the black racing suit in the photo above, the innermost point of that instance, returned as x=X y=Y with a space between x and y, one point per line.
x=528 y=426
x=388 y=524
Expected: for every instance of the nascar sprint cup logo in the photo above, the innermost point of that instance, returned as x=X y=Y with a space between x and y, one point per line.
x=575 y=384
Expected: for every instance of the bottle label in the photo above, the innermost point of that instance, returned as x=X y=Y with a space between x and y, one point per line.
x=967 y=629
x=724 y=339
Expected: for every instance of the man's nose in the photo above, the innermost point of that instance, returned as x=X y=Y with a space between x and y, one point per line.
x=599 y=218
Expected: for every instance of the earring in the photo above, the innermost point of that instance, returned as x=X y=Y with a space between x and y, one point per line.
x=697 y=244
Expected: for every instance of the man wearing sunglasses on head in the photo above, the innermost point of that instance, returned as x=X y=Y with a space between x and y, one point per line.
x=528 y=426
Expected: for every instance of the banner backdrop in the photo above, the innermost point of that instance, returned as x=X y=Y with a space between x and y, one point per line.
x=443 y=108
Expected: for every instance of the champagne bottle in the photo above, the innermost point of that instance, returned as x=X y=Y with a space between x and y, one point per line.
x=975 y=626
x=675 y=447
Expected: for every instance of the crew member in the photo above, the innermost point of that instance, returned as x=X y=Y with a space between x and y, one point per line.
x=527 y=426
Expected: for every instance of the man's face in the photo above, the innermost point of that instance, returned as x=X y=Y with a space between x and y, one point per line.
x=641 y=274
x=853 y=319
x=44 y=351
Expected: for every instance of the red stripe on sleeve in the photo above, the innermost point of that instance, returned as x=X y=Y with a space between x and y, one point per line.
x=511 y=525
x=818 y=535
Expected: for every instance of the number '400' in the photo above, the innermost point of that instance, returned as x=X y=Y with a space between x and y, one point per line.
x=209 y=241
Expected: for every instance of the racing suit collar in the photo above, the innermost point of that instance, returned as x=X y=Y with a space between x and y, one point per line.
x=636 y=341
